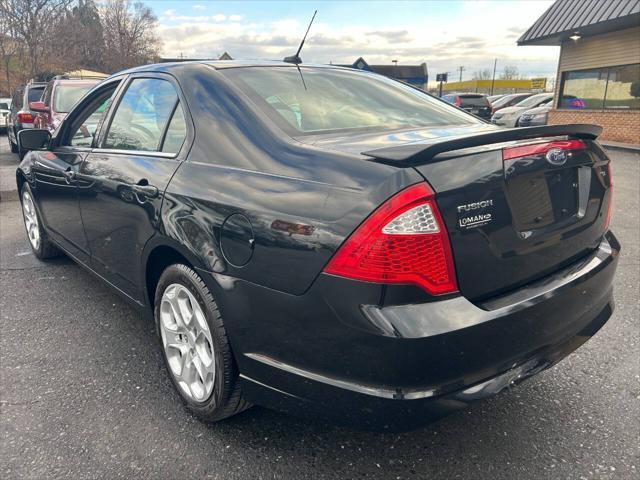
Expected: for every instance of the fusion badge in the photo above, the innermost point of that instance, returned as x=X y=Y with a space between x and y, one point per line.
x=469 y=218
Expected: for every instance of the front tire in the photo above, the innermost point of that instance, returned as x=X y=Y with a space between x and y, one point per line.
x=195 y=346
x=42 y=247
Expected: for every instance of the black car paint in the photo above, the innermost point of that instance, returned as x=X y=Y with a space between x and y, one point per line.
x=301 y=343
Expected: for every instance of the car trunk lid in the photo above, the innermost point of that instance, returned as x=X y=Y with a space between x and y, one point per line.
x=517 y=204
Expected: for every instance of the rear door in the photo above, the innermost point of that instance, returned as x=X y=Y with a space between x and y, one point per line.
x=127 y=174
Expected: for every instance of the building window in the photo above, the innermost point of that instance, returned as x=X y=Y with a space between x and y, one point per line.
x=609 y=87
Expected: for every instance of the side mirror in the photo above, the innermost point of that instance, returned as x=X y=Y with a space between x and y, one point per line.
x=38 y=107
x=34 y=139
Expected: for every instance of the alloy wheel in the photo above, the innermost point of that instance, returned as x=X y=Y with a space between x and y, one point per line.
x=31 y=219
x=187 y=342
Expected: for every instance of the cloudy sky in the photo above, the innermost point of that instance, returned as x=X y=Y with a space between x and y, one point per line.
x=444 y=34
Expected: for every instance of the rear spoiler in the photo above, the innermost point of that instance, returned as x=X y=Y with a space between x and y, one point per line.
x=410 y=154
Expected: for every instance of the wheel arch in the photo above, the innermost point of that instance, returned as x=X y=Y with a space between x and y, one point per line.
x=21 y=178
x=159 y=253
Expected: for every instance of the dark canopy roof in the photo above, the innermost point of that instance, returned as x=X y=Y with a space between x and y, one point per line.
x=585 y=17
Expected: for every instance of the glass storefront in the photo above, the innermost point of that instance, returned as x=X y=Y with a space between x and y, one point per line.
x=602 y=88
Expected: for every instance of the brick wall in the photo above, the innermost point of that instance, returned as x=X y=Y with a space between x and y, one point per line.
x=618 y=126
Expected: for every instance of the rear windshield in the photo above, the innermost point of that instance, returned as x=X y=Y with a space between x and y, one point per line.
x=66 y=96
x=508 y=100
x=323 y=100
x=35 y=93
x=532 y=101
x=473 y=101
x=4 y=106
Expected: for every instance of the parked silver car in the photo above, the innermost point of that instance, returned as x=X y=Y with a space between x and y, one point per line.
x=508 y=117
x=5 y=105
x=536 y=116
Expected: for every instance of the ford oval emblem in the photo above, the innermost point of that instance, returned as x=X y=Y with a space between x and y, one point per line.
x=556 y=157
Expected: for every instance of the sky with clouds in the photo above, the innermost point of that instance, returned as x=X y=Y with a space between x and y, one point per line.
x=444 y=34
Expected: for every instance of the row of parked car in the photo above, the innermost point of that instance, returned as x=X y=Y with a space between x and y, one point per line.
x=513 y=110
x=41 y=105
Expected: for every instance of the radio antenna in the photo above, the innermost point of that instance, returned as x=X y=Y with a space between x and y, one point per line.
x=295 y=59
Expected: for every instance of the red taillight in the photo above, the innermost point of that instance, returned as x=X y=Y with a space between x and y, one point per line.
x=25 y=117
x=403 y=242
x=607 y=219
x=541 y=148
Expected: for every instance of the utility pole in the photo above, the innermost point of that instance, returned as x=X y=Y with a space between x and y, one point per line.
x=493 y=79
x=461 y=68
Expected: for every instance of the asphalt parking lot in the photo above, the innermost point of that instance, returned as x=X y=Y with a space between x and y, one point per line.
x=83 y=392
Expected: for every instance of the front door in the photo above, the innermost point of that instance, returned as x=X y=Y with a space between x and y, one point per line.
x=57 y=183
x=127 y=176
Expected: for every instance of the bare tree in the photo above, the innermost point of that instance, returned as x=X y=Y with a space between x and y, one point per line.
x=129 y=31
x=510 y=72
x=31 y=22
x=9 y=48
x=482 y=74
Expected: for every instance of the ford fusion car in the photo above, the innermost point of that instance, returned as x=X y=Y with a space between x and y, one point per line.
x=326 y=241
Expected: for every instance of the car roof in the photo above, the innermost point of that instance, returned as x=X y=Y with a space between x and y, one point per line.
x=227 y=64
x=76 y=81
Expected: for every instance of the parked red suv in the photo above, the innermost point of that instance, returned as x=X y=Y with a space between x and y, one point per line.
x=60 y=94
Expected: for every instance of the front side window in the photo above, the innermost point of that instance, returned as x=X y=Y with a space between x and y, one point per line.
x=320 y=100
x=85 y=126
x=46 y=96
x=142 y=115
x=609 y=87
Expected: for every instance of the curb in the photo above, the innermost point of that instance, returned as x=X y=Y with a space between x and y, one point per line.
x=621 y=147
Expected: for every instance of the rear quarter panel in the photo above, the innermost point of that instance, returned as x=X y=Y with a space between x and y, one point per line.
x=301 y=201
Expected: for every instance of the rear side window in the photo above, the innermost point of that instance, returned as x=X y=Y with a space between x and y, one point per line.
x=474 y=101
x=35 y=93
x=4 y=106
x=323 y=100
x=176 y=132
x=142 y=115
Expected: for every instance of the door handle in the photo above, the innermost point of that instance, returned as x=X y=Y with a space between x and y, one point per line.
x=148 y=191
x=69 y=175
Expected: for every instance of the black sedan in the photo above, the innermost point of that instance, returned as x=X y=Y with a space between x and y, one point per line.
x=326 y=241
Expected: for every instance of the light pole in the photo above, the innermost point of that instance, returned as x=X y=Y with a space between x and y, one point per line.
x=493 y=79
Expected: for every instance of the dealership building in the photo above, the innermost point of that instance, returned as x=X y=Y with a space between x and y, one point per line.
x=598 y=79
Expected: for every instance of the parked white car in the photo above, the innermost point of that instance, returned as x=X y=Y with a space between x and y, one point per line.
x=5 y=105
x=508 y=117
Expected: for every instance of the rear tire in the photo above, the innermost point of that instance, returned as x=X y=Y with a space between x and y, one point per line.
x=195 y=347
x=42 y=247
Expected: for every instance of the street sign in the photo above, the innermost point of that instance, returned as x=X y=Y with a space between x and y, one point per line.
x=441 y=77
x=538 y=83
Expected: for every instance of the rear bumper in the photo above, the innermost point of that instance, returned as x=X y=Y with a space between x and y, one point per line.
x=333 y=352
